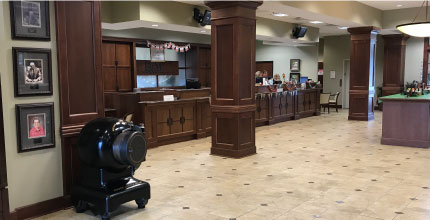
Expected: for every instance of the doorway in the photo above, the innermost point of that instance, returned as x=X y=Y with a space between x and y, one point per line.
x=345 y=85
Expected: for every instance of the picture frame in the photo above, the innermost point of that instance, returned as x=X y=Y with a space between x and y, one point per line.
x=30 y=20
x=32 y=71
x=157 y=55
x=35 y=127
x=295 y=76
x=295 y=65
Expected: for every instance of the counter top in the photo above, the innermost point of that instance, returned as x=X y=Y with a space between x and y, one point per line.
x=400 y=97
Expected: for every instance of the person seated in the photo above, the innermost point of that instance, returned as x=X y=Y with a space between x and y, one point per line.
x=277 y=79
x=258 y=77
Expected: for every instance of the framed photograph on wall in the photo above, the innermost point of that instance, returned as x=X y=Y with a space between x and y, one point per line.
x=157 y=55
x=35 y=126
x=30 y=20
x=295 y=65
x=295 y=77
x=32 y=71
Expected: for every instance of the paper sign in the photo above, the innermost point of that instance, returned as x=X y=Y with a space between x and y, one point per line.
x=332 y=74
x=168 y=98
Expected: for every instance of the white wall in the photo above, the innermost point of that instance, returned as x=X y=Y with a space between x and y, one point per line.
x=33 y=176
x=414 y=59
x=281 y=55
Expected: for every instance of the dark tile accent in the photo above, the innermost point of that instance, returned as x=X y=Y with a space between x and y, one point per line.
x=185 y=207
x=358 y=190
x=307 y=161
x=180 y=186
x=148 y=166
x=398 y=164
x=357 y=159
x=209 y=177
x=407 y=158
x=246 y=184
x=374 y=180
x=413 y=199
x=425 y=187
x=255 y=163
x=386 y=171
x=218 y=194
x=340 y=202
x=263 y=204
x=273 y=157
x=233 y=169
x=224 y=158
x=202 y=164
x=329 y=174
x=147 y=179
x=196 y=154
x=310 y=182
x=172 y=150
x=177 y=171
x=344 y=166
x=322 y=155
x=270 y=175
x=290 y=152
x=289 y=192
x=290 y=168
x=399 y=213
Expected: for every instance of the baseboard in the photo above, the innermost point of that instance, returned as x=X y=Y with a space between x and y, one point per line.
x=40 y=208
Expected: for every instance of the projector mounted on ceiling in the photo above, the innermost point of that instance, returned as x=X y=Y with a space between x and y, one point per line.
x=299 y=31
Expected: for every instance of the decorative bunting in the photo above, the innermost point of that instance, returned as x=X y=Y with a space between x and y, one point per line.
x=168 y=45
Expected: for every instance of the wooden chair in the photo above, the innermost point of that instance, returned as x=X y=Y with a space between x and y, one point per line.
x=333 y=101
x=324 y=97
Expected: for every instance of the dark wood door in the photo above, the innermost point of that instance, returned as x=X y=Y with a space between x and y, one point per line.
x=123 y=67
x=4 y=201
x=109 y=69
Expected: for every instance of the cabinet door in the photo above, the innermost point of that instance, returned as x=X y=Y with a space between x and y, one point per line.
x=175 y=115
x=276 y=104
x=123 y=71
x=289 y=105
x=312 y=99
x=163 y=127
x=108 y=67
x=188 y=118
x=123 y=76
x=300 y=102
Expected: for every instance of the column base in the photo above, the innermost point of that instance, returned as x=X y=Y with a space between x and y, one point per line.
x=233 y=153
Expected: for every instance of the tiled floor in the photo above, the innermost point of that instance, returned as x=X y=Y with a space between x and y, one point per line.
x=322 y=167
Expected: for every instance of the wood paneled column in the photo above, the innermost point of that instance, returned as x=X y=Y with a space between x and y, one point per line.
x=394 y=63
x=362 y=70
x=233 y=68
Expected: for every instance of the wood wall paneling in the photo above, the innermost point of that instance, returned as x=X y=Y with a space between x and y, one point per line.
x=265 y=65
x=362 y=70
x=394 y=63
x=80 y=74
x=146 y=67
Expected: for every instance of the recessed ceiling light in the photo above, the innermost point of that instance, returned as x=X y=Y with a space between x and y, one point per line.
x=154 y=25
x=203 y=31
x=316 y=22
x=399 y=6
x=278 y=14
x=343 y=28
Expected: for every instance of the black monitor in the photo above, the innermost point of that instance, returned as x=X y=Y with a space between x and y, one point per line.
x=206 y=20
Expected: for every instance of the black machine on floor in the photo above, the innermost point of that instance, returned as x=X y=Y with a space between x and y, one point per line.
x=110 y=151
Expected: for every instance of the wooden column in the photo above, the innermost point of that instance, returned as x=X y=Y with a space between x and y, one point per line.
x=233 y=67
x=394 y=63
x=79 y=43
x=362 y=70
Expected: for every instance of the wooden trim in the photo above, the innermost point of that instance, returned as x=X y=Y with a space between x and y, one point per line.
x=41 y=208
x=138 y=42
x=426 y=59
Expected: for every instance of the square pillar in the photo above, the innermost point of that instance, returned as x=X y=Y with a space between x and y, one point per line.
x=233 y=83
x=362 y=73
x=394 y=63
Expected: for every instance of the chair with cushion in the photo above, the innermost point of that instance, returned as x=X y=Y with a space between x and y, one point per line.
x=324 y=97
x=332 y=102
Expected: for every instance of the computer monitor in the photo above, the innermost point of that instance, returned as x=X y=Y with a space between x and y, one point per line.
x=303 y=79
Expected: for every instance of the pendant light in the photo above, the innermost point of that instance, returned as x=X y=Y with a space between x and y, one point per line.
x=417 y=29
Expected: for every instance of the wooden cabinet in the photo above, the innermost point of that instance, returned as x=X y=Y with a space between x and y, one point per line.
x=117 y=67
x=282 y=107
x=307 y=103
x=175 y=121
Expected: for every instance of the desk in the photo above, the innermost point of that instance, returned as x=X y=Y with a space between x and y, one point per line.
x=406 y=121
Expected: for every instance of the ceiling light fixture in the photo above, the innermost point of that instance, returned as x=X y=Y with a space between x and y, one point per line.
x=154 y=25
x=399 y=6
x=417 y=29
x=279 y=14
x=342 y=28
x=316 y=22
x=203 y=31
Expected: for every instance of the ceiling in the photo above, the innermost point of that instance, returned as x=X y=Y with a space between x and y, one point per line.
x=391 y=5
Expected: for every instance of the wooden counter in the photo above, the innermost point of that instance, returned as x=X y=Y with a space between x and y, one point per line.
x=274 y=107
x=406 y=121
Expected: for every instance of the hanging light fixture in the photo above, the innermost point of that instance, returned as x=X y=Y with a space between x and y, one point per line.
x=417 y=29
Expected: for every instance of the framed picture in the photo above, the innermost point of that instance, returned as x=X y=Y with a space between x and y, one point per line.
x=35 y=126
x=295 y=77
x=30 y=20
x=295 y=65
x=157 y=55
x=32 y=71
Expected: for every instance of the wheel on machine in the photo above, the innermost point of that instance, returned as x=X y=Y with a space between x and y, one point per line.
x=81 y=206
x=141 y=203
x=105 y=217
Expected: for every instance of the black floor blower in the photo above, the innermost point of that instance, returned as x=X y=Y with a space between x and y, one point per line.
x=110 y=151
